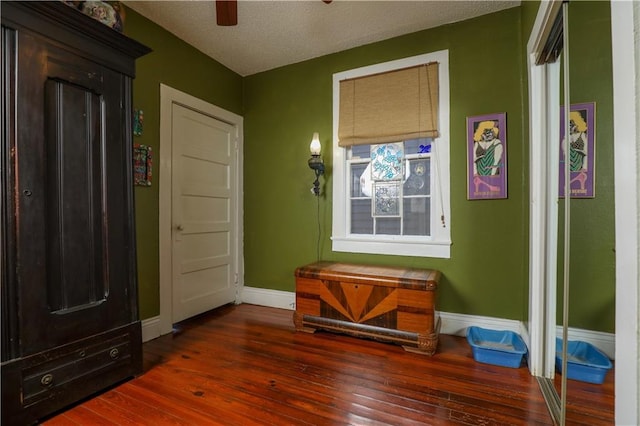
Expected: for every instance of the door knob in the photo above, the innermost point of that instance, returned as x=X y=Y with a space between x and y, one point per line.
x=179 y=227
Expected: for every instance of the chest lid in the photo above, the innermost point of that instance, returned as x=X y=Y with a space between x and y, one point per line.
x=388 y=276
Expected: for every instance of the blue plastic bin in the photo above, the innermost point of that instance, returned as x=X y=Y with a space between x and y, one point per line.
x=504 y=348
x=585 y=362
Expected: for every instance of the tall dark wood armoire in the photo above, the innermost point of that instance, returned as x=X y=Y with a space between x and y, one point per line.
x=70 y=324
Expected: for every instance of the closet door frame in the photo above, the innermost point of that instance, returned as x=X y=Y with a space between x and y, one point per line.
x=544 y=126
x=625 y=25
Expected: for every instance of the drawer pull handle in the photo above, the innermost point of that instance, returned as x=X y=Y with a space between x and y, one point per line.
x=114 y=353
x=81 y=354
x=46 y=380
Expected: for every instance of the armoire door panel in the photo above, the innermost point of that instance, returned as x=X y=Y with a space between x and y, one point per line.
x=76 y=254
x=73 y=265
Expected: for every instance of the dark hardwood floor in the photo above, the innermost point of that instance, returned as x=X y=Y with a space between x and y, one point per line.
x=245 y=365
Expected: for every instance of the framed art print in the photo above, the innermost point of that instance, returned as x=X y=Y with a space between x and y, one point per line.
x=487 y=157
x=582 y=141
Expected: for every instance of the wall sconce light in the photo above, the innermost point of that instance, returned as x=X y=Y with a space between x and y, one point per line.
x=315 y=163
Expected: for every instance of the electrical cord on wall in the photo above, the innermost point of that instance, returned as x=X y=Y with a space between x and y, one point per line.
x=319 y=229
x=438 y=178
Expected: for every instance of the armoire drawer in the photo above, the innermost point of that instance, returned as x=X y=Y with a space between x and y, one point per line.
x=72 y=365
x=37 y=385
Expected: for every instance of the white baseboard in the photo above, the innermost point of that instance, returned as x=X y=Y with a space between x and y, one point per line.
x=265 y=297
x=150 y=328
x=456 y=324
x=451 y=323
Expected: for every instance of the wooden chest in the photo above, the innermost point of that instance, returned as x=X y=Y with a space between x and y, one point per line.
x=378 y=302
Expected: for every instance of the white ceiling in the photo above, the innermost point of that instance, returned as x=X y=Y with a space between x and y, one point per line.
x=271 y=34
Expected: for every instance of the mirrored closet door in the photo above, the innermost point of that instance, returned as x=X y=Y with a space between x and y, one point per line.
x=572 y=257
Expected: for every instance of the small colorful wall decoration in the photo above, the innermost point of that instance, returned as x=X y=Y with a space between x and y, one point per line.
x=138 y=122
x=582 y=142
x=142 y=165
x=487 y=157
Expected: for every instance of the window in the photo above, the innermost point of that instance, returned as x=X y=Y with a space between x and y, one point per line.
x=406 y=212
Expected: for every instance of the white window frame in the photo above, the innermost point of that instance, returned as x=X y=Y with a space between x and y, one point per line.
x=438 y=244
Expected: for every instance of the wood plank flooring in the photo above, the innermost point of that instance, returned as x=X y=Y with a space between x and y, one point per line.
x=245 y=365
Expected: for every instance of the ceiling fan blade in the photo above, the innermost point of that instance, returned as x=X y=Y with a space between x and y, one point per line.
x=227 y=12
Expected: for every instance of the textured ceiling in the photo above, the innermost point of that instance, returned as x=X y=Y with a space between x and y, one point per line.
x=271 y=34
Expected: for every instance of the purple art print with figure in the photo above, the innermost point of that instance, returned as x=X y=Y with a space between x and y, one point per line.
x=487 y=157
x=582 y=143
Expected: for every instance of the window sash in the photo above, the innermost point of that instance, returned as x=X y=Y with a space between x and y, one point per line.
x=405 y=223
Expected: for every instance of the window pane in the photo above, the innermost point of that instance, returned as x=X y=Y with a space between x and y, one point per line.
x=413 y=146
x=419 y=181
x=360 y=151
x=356 y=172
x=361 y=220
x=417 y=216
x=388 y=226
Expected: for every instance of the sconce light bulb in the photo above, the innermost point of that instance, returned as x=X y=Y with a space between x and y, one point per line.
x=315 y=146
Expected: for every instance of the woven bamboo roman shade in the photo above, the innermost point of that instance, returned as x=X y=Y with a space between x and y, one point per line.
x=389 y=107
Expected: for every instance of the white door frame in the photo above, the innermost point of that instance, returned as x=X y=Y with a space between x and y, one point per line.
x=625 y=26
x=544 y=126
x=168 y=97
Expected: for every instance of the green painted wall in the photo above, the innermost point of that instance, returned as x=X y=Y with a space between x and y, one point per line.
x=487 y=272
x=178 y=65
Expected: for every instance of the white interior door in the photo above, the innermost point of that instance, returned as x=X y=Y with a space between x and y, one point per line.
x=203 y=232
